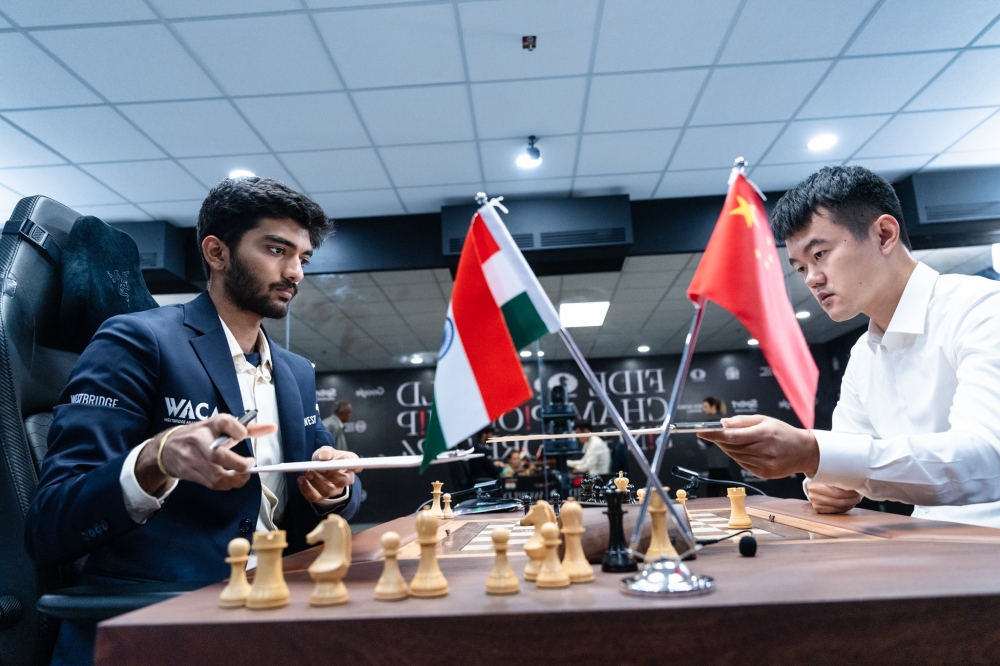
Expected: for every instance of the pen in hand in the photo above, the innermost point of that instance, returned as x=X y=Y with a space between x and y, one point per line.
x=244 y=420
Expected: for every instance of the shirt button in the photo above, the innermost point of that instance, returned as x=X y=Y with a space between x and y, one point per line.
x=245 y=526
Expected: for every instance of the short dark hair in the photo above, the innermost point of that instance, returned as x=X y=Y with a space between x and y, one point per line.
x=237 y=205
x=341 y=405
x=582 y=424
x=855 y=197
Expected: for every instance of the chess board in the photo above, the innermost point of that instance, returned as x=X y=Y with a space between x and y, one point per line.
x=483 y=541
x=715 y=525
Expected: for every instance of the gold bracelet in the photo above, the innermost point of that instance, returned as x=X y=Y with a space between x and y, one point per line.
x=159 y=454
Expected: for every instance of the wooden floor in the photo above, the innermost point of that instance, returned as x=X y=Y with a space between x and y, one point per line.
x=859 y=588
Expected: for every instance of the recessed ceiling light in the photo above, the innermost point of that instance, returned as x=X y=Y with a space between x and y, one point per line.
x=241 y=173
x=822 y=142
x=416 y=360
x=540 y=354
x=753 y=342
x=525 y=354
x=802 y=314
x=531 y=157
x=643 y=349
x=576 y=315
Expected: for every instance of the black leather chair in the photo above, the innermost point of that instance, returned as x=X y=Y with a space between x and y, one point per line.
x=34 y=367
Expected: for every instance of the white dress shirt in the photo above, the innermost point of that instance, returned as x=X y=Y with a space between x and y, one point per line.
x=918 y=419
x=596 y=457
x=257 y=392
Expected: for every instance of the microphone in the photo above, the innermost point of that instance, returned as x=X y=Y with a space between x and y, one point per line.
x=693 y=478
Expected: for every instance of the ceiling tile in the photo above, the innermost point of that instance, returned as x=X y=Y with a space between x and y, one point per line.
x=636 y=185
x=890 y=167
x=286 y=53
x=693 y=183
x=29 y=14
x=333 y=170
x=366 y=203
x=923 y=25
x=26 y=66
x=786 y=29
x=87 y=134
x=897 y=79
x=394 y=46
x=642 y=101
x=550 y=187
x=558 y=155
x=657 y=262
x=850 y=133
x=964 y=159
x=210 y=170
x=739 y=94
x=963 y=83
x=195 y=129
x=305 y=122
x=387 y=278
x=493 y=31
x=130 y=63
x=187 y=8
x=783 y=177
x=67 y=185
x=984 y=137
x=523 y=108
x=925 y=132
x=625 y=152
x=160 y=180
x=114 y=213
x=8 y=199
x=416 y=115
x=21 y=150
x=992 y=36
x=667 y=33
x=180 y=213
x=430 y=199
x=436 y=164
x=707 y=147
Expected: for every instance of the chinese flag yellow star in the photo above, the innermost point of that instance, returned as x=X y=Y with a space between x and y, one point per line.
x=747 y=210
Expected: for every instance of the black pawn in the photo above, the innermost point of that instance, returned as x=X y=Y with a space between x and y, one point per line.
x=555 y=501
x=587 y=488
x=631 y=493
x=616 y=558
x=526 y=504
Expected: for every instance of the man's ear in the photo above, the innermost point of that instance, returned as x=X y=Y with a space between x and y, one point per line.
x=886 y=232
x=216 y=253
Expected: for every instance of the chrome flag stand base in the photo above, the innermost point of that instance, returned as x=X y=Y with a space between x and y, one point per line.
x=667 y=578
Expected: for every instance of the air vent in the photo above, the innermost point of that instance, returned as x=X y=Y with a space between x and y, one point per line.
x=583 y=237
x=149 y=260
x=979 y=210
x=455 y=245
x=524 y=241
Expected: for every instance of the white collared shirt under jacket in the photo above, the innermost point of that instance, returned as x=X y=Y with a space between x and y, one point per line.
x=918 y=419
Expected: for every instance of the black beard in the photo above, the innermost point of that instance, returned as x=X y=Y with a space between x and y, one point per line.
x=247 y=291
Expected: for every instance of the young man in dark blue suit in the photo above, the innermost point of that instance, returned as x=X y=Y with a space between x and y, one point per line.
x=130 y=479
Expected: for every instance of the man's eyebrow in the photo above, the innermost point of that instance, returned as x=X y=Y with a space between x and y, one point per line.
x=810 y=245
x=284 y=241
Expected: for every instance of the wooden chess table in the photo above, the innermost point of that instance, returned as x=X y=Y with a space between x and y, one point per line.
x=855 y=588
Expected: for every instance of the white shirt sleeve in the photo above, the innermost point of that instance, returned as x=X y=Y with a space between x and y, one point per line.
x=139 y=504
x=956 y=467
x=327 y=505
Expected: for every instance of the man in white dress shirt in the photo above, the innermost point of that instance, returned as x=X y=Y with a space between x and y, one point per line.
x=596 y=454
x=918 y=419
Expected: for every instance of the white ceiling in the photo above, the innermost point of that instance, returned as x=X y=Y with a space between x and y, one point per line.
x=361 y=321
x=132 y=109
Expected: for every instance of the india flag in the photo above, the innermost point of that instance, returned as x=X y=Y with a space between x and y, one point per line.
x=497 y=307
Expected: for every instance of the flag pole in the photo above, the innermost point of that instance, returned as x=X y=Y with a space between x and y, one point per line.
x=661 y=441
x=637 y=453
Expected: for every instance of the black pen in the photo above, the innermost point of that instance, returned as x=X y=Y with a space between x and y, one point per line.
x=244 y=420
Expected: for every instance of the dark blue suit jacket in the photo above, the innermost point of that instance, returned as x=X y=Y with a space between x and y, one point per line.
x=141 y=374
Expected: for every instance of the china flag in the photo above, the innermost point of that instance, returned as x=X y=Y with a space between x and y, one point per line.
x=740 y=271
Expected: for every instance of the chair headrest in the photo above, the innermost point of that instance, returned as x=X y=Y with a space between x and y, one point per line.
x=101 y=278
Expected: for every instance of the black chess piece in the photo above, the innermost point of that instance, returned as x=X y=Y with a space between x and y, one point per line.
x=587 y=488
x=556 y=501
x=526 y=503
x=631 y=493
x=616 y=558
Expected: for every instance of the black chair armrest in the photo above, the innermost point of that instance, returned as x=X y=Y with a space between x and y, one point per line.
x=96 y=602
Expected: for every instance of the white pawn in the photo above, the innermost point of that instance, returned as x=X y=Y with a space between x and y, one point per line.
x=238 y=589
x=502 y=579
x=391 y=585
x=446 y=512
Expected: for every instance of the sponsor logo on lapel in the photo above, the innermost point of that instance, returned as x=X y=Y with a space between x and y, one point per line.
x=310 y=420
x=183 y=410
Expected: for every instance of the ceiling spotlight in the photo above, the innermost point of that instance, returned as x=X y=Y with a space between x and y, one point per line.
x=241 y=173
x=540 y=354
x=643 y=349
x=802 y=314
x=753 y=342
x=525 y=354
x=575 y=315
x=531 y=157
x=416 y=360
x=822 y=142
